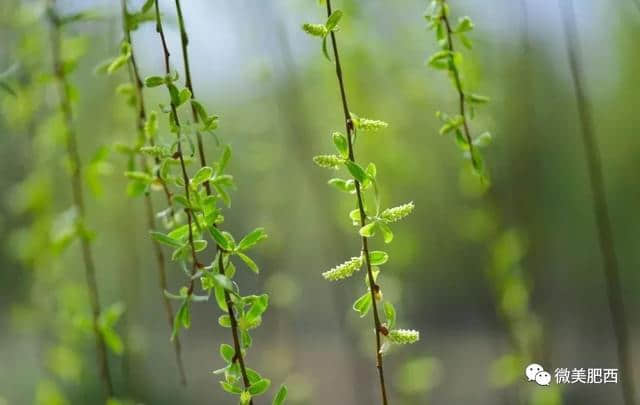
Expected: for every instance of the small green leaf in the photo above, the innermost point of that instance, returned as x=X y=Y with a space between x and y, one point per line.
x=202 y=175
x=164 y=239
x=464 y=25
x=252 y=238
x=378 y=257
x=342 y=185
x=220 y=239
x=333 y=20
x=390 y=314
x=199 y=245
x=224 y=321
x=340 y=141
x=154 y=81
x=184 y=96
x=220 y=298
x=222 y=281
x=387 y=234
x=325 y=50
x=232 y=389
x=174 y=93
x=250 y=263
x=147 y=5
x=259 y=387
x=363 y=304
x=477 y=98
x=482 y=140
x=356 y=171
x=280 y=396
x=227 y=352
x=368 y=230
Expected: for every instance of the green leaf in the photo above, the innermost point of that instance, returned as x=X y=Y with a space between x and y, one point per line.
x=250 y=263
x=232 y=389
x=482 y=140
x=258 y=307
x=390 y=314
x=222 y=281
x=260 y=387
x=378 y=257
x=164 y=239
x=224 y=321
x=440 y=59
x=252 y=238
x=139 y=176
x=368 y=230
x=325 y=50
x=253 y=375
x=184 y=96
x=477 y=98
x=220 y=239
x=363 y=304
x=356 y=171
x=333 y=20
x=464 y=25
x=147 y=5
x=154 y=81
x=174 y=93
x=227 y=352
x=181 y=318
x=224 y=159
x=387 y=234
x=199 y=245
x=280 y=396
x=202 y=175
x=342 y=185
x=220 y=298
x=340 y=141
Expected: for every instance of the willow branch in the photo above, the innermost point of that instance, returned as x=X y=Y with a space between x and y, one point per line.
x=373 y=287
x=600 y=208
x=458 y=83
x=78 y=199
x=151 y=223
x=180 y=155
x=184 y=42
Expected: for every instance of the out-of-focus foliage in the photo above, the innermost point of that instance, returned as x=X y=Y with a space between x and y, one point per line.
x=275 y=94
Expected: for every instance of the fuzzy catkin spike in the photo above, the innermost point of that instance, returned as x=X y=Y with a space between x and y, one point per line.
x=367 y=125
x=343 y=270
x=397 y=213
x=404 y=336
x=328 y=161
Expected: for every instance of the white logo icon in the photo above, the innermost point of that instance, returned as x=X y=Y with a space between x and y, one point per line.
x=535 y=372
x=543 y=378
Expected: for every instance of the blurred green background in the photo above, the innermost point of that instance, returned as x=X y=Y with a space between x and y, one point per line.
x=278 y=101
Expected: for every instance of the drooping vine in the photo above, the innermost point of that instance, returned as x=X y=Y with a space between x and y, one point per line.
x=600 y=207
x=101 y=324
x=139 y=168
x=368 y=216
x=196 y=197
x=449 y=60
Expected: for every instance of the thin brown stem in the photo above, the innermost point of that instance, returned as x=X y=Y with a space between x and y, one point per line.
x=373 y=287
x=151 y=223
x=184 y=41
x=78 y=199
x=180 y=155
x=600 y=208
x=458 y=83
